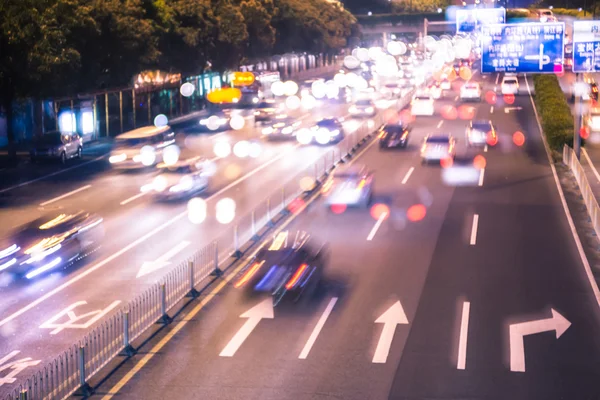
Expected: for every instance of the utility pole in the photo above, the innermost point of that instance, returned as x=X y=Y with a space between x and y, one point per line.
x=578 y=117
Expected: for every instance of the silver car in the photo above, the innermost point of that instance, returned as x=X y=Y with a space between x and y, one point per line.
x=181 y=180
x=438 y=148
x=59 y=146
x=349 y=186
x=363 y=108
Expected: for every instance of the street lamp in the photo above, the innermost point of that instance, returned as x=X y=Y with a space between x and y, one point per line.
x=369 y=13
x=439 y=10
x=551 y=7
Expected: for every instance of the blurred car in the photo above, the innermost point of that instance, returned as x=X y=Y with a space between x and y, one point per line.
x=392 y=90
x=510 y=85
x=445 y=84
x=265 y=110
x=470 y=91
x=219 y=119
x=326 y=131
x=363 y=108
x=394 y=136
x=54 y=241
x=180 y=180
x=438 y=147
x=59 y=146
x=435 y=90
x=282 y=127
x=592 y=119
x=350 y=186
x=290 y=267
x=480 y=132
x=141 y=148
x=546 y=15
x=422 y=104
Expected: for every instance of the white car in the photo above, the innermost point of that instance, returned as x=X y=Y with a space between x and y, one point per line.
x=510 y=85
x=480 y=132
x=180 y=180
x=350 y=186
x=438 y=148
x=363 y=108
x=470 y=91
x=593 y=120
x=422 y=104
x=446 y=84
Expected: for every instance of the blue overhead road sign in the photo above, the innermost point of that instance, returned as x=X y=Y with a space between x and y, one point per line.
x=469 y=20
x=530 y=47
x=586 y=46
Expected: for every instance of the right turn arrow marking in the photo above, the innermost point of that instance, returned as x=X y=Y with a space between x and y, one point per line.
x=393 y=316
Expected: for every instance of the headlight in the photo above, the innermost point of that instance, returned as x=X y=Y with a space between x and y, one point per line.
x=159 y=183
x=267 y=131
x=186 y=183
x=256 y=112
x=287 y=130
x=370 y=109
x=353 y=109
x=117 y=158
x=7 y=264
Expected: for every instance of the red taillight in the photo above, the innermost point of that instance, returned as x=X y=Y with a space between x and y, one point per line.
x=249 y=274
x=292 y=282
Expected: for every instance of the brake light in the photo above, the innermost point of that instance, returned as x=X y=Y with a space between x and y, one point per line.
x=249 y=274
x=292 y=282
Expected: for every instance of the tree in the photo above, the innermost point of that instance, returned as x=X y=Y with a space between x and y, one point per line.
x=229 y=36
x=261 y=34
x=36 y=52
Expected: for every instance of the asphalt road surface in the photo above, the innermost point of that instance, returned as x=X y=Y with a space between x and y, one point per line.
x=481 y=296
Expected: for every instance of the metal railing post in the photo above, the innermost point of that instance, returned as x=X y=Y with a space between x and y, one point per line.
x=253 y=225
x=216 y=270
x=269 y=219
x=164 y=319
x=283 y=209
x=128 y=349
x=236 y=243
x=23 y=395
x=193 y=293
x=84 y=388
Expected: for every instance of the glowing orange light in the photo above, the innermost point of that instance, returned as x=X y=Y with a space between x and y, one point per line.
x=466 y=112
x=449 y=112
x=248 y=274
x=338 y=208
x=509 y=98
x=224 y=95
x=491 y=97
x=518 y=138
x=465 y=73
x=378 y=210
x=479 y=162
x=416 y=213
x=446 y=162
x=584 y=132
x=243 y=78
x=491 y=139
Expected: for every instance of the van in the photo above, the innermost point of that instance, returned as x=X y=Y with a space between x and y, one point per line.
x=141 y=147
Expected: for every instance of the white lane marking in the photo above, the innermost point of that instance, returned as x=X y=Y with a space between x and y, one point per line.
x=132 y=198
x=315 y=333
x=408 y=174
x=376 y=226
x=253 y=316
x=439 y=125
x=491 y=109
x=474 y=229
x=135 y=243
x=582 y=256
x=495 y=89
x=481 y=174
x=462 y=339
x=497 y=79
x=74 y=321
x=49 y=175
x=485 y=148
x=456 y=98
x=587 y=157
x=81 y=189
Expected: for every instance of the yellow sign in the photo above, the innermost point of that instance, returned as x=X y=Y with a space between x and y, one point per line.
x=224 y=95
x=243 y=78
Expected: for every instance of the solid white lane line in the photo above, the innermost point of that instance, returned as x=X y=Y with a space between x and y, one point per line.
x=456 y=98
x=485 y=148
x=315 y=333
x=462 y=340
x=497 y=78
x=81 y=189
x=474 y=229
x=376 y=226
x=129 y=200
x=481 y=174
x=491 y=109
x=439 y=125
x=408 y=174
x=587 y=157
x=495 y=89
x=52 y=174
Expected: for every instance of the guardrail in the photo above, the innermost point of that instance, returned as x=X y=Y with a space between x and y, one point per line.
x=591 y=203
x=71 y=371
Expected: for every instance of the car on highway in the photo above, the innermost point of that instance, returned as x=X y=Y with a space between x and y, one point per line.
x=592 y=119
x=58 y=146
x=509 y=85
x=289 y=267
x=265 y=110
x=363 y=108
x=546 y=15
x=470 y=91
x=435 y=90
x=422 y=104
x=180 y=180
x=481 y=132
x=445 y=84
x=326 y=131
x=393 y=90
x=394 y=136
x=52 y=242
x=282 y=127
x=349 y=186
x=141 y=147
x=219 y=119
x=438 y=147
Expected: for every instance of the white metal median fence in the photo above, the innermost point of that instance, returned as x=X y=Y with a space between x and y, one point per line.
x=591 y=203
x=71 y=370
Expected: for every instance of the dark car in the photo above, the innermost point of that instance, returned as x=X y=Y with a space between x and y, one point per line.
x=265 y=110
x=327 y=131
x=281 y=127
x=290 y=267
x=57 y=146
x=48 y=243
x=394 y=136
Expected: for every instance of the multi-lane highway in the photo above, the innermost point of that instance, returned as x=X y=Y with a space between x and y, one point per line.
x=475 y=291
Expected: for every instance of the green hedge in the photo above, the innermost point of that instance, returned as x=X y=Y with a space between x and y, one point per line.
x=555 y=114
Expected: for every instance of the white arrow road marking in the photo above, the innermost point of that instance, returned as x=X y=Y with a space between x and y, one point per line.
x=264 y=309
x=462 y=339
x=150 y=266
x=16 y=366
x=315 y=333
x=72 y=318
x=393 y=316
x=557 y=323
x=509 y=109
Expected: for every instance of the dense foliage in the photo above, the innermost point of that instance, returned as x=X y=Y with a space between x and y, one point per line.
x=555 y=114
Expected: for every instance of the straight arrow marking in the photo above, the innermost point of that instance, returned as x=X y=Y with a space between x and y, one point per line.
x=557 y=323
x=390 y=318
x=151 y=266
x=264 y=309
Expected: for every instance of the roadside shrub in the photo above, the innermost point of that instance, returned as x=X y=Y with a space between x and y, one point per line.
x=555 y=114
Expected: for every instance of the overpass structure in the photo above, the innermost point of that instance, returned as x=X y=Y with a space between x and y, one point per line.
x=384 y=31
